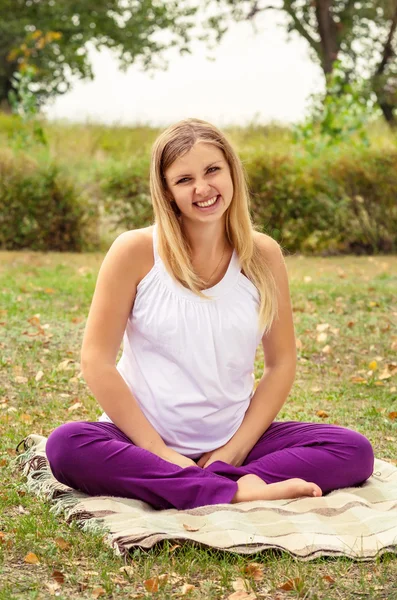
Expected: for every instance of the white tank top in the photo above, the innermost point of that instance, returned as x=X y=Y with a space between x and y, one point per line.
x=189 y=361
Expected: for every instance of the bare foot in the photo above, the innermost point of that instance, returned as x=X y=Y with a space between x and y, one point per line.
x=251 y=487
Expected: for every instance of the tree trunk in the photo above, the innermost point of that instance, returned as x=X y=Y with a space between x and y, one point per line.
x=388 y=113
x=328 y=34
x=5 y=88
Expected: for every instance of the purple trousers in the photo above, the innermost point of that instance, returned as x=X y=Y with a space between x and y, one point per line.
x=99 y=459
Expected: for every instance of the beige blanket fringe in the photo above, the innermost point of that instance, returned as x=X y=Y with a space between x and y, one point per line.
x=360 y=523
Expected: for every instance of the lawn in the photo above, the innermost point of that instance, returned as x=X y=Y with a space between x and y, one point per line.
x=345 y=311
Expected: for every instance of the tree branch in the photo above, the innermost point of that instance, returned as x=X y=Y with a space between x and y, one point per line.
x=256 y=9
x=301 y=29
x=388 y=51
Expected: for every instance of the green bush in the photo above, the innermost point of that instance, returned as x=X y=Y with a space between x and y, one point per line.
x=334 y=203
x=41 y=209
x=125 y=188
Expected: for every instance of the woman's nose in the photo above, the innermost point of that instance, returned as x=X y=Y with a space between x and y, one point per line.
x=202 y=189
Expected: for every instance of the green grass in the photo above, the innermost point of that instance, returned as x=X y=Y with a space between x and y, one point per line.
x=354 y=296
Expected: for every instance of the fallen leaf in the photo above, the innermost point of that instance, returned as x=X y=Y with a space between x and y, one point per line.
x=52 y=587
x=385 y=375
x=173 y=548
x=35 y=320
x=393 y=415
x=322 y=326
x=64 y=364
x=357 y=379
x=190 y=527
x=322 y=337
x=254 y=570
x=326 y=349
x=98 y=592
x=127 y=570
x=25 y=418
x=75 y=406
x=152 y=585
x=242 y=596
x=186 y=588
x=20 y=379
x=58 y=576
x=239 y=585
x=39 y=375
x=322 y=414
x=329 y=579
x=61 y=543
x=291 y=584
x=31 y=559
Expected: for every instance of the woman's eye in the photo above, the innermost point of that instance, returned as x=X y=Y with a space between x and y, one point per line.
x=210 y=169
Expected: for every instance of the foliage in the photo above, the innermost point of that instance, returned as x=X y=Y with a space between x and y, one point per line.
x=24 y=104
x=41 y=209
x=362 y=36
x=126 y=193
x=335 y=203
x=340 y=114
x=53 y=37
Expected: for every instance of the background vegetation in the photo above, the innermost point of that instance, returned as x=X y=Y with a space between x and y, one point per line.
x=87 y=183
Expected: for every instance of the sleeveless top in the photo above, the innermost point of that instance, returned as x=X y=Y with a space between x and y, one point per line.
x=189 y=361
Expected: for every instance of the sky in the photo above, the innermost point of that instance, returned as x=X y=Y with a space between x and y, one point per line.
x=255 y=77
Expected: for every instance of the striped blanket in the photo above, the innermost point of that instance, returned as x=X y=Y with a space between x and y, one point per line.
x=360 y=523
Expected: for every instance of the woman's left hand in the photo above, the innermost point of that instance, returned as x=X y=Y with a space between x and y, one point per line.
x=225 y=453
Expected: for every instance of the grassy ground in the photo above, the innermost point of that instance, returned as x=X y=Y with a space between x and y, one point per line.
x=345 y=316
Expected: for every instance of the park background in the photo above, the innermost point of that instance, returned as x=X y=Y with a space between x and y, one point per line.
x=307 y=92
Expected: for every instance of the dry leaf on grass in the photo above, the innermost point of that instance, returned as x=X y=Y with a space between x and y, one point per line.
x=98 y=592
x=61 y=543
x=239 y=585
x=153 y=584
x=291 y=584
x=39 y=375
x=31 y=559
x=58 y=576
x=254 y=570
x=75 y=406
x=186 y=588
x=322 y=414
x=53 y=587
x=242 y=596
x=127 y=570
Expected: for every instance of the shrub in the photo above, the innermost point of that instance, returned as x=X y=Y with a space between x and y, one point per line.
x=333 y=203
x=41 y=209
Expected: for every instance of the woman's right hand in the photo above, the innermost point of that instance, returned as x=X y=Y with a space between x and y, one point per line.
x=177 y=459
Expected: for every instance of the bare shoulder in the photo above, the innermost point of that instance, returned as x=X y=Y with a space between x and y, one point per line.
x=133 y=250
x=271 y=249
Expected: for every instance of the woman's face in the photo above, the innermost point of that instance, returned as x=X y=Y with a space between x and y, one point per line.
x=202 y=175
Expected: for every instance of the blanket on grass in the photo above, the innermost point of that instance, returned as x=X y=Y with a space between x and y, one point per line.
x=359 y=522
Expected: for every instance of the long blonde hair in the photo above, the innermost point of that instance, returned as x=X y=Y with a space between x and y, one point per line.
x=174 y=249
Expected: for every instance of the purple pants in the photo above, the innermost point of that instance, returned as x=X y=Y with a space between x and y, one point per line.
x=99 y=459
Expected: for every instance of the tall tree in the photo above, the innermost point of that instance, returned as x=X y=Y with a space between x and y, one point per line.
x=52 y=36
x=361 y=34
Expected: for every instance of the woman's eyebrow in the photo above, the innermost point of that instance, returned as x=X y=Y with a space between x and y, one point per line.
x=188 y=174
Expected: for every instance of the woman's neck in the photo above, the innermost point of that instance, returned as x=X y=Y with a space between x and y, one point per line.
x=207 y=241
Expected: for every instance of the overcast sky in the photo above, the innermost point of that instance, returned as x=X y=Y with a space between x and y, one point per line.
x=259 y=77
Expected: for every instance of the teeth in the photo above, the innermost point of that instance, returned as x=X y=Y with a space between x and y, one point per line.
x=208 y=202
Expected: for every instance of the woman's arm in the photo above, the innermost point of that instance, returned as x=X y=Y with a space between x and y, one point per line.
x=112 y=302
x=280 y=363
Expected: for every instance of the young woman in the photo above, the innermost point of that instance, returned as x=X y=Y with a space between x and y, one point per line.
x=192 y=297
